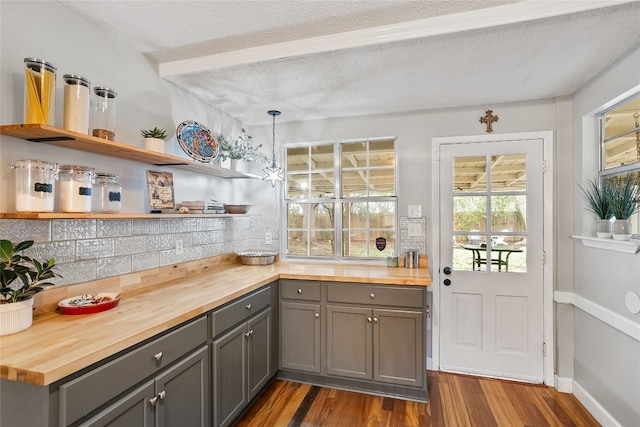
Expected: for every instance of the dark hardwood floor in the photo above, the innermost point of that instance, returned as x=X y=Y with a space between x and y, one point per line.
x=455 y=400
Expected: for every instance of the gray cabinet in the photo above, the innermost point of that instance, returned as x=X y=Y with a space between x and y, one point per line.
x=242 y=353
x=178 y=396
x=300 y=340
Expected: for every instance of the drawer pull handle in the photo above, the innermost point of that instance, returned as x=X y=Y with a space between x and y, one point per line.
x=162 y=395
x=248 y=334
x=369 y=319
x=317 y=315
x=153 y=401
x=158 y=356
x=299 y=291
x=248 y=307
x=372 y=295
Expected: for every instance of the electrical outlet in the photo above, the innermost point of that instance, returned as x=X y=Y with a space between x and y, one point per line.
x=268 y=239
x=179 y=247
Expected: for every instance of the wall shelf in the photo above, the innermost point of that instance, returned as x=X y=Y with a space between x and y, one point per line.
x=46 y=134
x=627 y=246
x=72 y=215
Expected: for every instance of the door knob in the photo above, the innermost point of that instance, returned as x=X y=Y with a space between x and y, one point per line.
x=446 y=270
x=447 y=282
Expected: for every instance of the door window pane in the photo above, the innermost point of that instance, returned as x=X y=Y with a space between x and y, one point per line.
x=510 y=251
x=470 y=213
x=509 y=213
x=470 y=174
x=508 y=173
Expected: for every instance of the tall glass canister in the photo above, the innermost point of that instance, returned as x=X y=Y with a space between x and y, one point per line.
x=103 y=113
x=39 y=91
x=34 y=185
x=76 y=103
x=75 y=188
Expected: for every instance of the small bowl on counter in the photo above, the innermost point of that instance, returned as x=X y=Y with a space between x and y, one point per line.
x=236 y=209
x=257 y=257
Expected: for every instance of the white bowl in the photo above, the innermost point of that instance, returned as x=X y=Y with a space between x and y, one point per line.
x=236 y=209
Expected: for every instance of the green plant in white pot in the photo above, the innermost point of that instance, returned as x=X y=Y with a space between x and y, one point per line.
x=597 y=198
x=624 y=198
x=21 y=277
x=154 y=139
x=240 y=148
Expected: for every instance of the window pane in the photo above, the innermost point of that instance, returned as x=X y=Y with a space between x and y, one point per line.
x=387 y=238
x=383 y=182
x=297 y=242
x=295 y=216
x=322 y=243
x=322 y=185
x=354 y=215
x=354 y=155
x=509 y=254
x=508 y=173
x=297 y=186
x=469 y=213
x=509 y=213
x=321 y=157
x=381 y=153
x=382 y=214
x=622 y=134
x=354 y=183
x=355 y=243
x=470 y=174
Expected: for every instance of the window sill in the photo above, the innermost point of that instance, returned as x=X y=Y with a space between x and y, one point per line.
x=629 y=246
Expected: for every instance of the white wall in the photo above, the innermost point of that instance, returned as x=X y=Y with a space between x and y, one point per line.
x=49 y=31
x=606 y=361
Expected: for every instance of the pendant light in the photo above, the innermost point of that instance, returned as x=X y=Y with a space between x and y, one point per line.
x=273 y=173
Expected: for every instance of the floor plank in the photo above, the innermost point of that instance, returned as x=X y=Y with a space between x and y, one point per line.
x=454 y=401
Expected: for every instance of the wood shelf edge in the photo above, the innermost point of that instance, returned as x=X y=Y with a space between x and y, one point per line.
x=625 y=246
x=60 y=215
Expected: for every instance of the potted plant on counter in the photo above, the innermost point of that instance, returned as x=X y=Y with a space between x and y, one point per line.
x=240 y=148
x=154 y=139
x=624 y=198
x=597 y=198
x=21 y=277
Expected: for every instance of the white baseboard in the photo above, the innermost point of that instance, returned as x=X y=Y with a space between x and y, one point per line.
x=594 y=407
x=563 y=385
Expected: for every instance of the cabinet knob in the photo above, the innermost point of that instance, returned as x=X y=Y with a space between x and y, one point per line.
x=158 y=356
x=299 y=291
x=375 y=320
x=317 y=315
x=248 y=334
x=372 y=295
x=369 y=319
x=162 y=395
x=153 y=401
x=248 y=306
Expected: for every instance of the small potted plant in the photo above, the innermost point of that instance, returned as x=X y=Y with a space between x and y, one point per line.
x=597 y=198
x=624 y=198
x=21 y=277
x=154 y=139
x=240 y=148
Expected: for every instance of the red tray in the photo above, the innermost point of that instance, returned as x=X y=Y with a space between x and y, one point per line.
x=89 y=303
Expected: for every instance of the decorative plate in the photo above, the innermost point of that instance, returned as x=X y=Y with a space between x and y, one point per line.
x=197 y=141
x=89 y=303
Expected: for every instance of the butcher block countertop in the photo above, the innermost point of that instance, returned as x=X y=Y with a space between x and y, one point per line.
x=58 y=345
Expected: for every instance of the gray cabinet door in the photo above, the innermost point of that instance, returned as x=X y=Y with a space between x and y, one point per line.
x=398 y=350
x=349 y=347
x=133 y=409
x=258 y=352
x=229 y=375
x=183 y=392
x=300 y=336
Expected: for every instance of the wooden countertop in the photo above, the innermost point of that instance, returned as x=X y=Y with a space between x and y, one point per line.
x=58 y=345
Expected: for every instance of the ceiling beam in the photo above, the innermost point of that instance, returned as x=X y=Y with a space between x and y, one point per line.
x=445 y=24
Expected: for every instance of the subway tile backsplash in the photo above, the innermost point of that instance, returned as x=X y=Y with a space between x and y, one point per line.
x=90 y=249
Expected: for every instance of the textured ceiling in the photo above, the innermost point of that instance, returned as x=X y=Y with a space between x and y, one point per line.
x=473 y=64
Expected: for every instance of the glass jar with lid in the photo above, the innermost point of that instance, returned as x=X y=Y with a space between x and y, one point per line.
x=34 y=185
x=106 y=193
x=76 y=103
x=39 y=91
x=75 y=188
x=103 y=113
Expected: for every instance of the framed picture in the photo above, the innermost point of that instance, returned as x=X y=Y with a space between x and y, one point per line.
x=160 y=189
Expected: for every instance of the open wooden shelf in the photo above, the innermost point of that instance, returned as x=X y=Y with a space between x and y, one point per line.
x=46 y=134
x=73 y=215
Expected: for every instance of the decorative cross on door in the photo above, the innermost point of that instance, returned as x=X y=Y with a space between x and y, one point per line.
x=488 y=119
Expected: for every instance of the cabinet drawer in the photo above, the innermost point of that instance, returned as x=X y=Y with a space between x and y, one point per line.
x=375 y=295
x=89 y=391
x=302 y=290
x=238 y=310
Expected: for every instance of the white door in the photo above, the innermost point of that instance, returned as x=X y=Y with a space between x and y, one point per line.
x=491 y=258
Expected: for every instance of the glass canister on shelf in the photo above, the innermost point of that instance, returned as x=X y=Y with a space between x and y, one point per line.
x=76 y=103
x=75 y=188
x=39 y=91
x=106 y=193
x=103 y=113
x=34 y=185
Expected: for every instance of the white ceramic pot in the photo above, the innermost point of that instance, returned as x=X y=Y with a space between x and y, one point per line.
x=16 y=316
x=621 y=229
x=154 y=144
x=235 y=164
x=603 y=228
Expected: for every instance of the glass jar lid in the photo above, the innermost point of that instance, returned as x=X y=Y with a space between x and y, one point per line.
x=33 y=164
x=38 y=64
x=106 y=176
x=76 y=169
x=74 y=79
x=104 y=92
